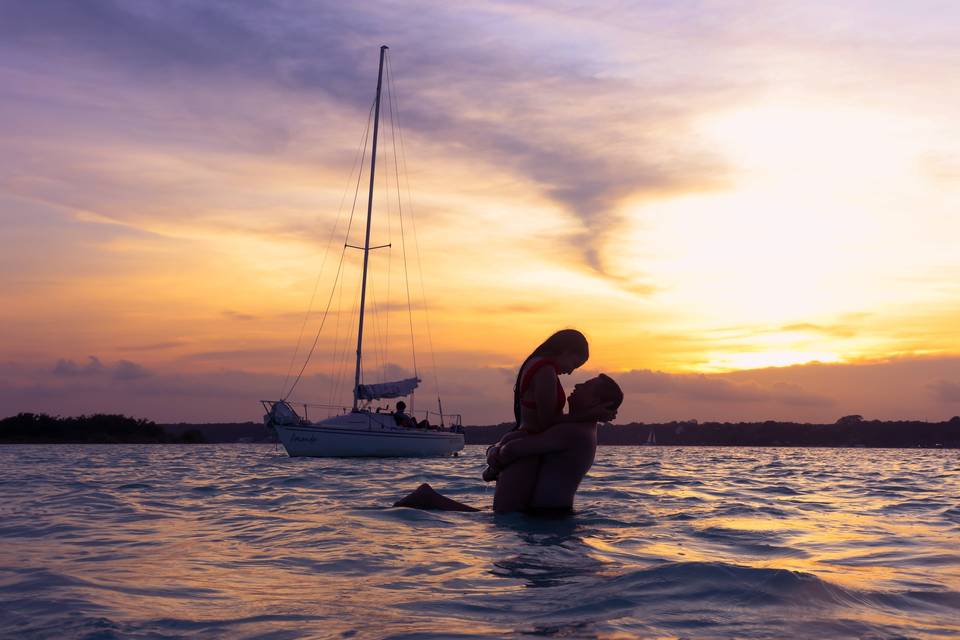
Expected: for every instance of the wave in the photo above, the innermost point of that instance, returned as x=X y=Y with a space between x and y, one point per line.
x=767 y=543
x=137 y=542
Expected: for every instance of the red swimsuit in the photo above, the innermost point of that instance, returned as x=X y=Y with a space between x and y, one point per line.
x=528 y=376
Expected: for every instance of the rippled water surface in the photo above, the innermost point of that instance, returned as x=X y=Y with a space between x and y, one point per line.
x=242 y=541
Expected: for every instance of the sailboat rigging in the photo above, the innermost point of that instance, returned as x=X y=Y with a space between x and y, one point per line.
x=362 y=431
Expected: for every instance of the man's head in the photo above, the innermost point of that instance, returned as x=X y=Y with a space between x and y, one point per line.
x=599 y=390
x=401 y=406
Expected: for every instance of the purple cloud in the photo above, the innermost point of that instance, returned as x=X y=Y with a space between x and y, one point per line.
x=716 y=388
x=808 y=393
x=69 y=368
x=127 y=370
x=465 y=82
x=945 y=391
x=95 y=368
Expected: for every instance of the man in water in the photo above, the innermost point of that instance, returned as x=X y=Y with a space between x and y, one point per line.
x=541 y=472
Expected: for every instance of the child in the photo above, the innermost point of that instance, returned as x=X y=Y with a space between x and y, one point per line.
x=538 y=395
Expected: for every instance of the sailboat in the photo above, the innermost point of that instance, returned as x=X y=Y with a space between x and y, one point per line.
x=651 y=437
x=363 y=431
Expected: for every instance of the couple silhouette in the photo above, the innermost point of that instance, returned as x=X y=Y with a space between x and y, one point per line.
x=539 y=465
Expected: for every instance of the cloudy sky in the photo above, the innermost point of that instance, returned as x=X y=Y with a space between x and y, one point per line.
x=751 y=209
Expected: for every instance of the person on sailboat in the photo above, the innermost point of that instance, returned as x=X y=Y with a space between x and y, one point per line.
x=404 y=419
x=401 y=416
x=561 y=456
x=538 y=395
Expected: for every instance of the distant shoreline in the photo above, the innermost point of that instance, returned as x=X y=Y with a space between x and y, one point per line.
x=848 y=432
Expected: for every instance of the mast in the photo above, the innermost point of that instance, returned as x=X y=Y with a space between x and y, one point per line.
x=366 y=242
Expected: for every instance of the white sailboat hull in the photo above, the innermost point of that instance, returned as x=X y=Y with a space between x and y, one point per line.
x=365 y=434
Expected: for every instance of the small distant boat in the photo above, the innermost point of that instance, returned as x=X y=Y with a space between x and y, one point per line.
x=651 y=437
x=362 y=431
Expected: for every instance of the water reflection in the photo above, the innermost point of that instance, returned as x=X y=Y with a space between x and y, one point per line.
x=173 y=541
x=548 y=552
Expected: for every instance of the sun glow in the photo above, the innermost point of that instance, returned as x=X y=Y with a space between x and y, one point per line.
x=814 y=199
x=732 y=361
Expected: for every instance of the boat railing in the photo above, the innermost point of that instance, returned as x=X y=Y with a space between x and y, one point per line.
x=446 y=419
x=331 y=409
x=450 y=420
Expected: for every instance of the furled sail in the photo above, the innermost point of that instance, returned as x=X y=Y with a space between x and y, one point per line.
x=395 y=389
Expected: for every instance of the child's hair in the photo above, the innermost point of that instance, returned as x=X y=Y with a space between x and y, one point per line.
x=563 y=341
x=609 y=391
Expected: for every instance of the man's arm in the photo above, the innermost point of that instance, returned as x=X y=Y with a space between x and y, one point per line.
x=558 y=438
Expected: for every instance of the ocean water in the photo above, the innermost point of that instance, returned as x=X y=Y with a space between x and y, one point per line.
x=240 y=541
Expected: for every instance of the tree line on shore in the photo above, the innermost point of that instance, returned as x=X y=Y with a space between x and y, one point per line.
x=98 y=428
x=848 y=431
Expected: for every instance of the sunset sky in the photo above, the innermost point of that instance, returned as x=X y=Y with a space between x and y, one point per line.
x=751 y=209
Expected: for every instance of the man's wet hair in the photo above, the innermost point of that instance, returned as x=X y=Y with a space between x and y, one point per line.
x=609 y=391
